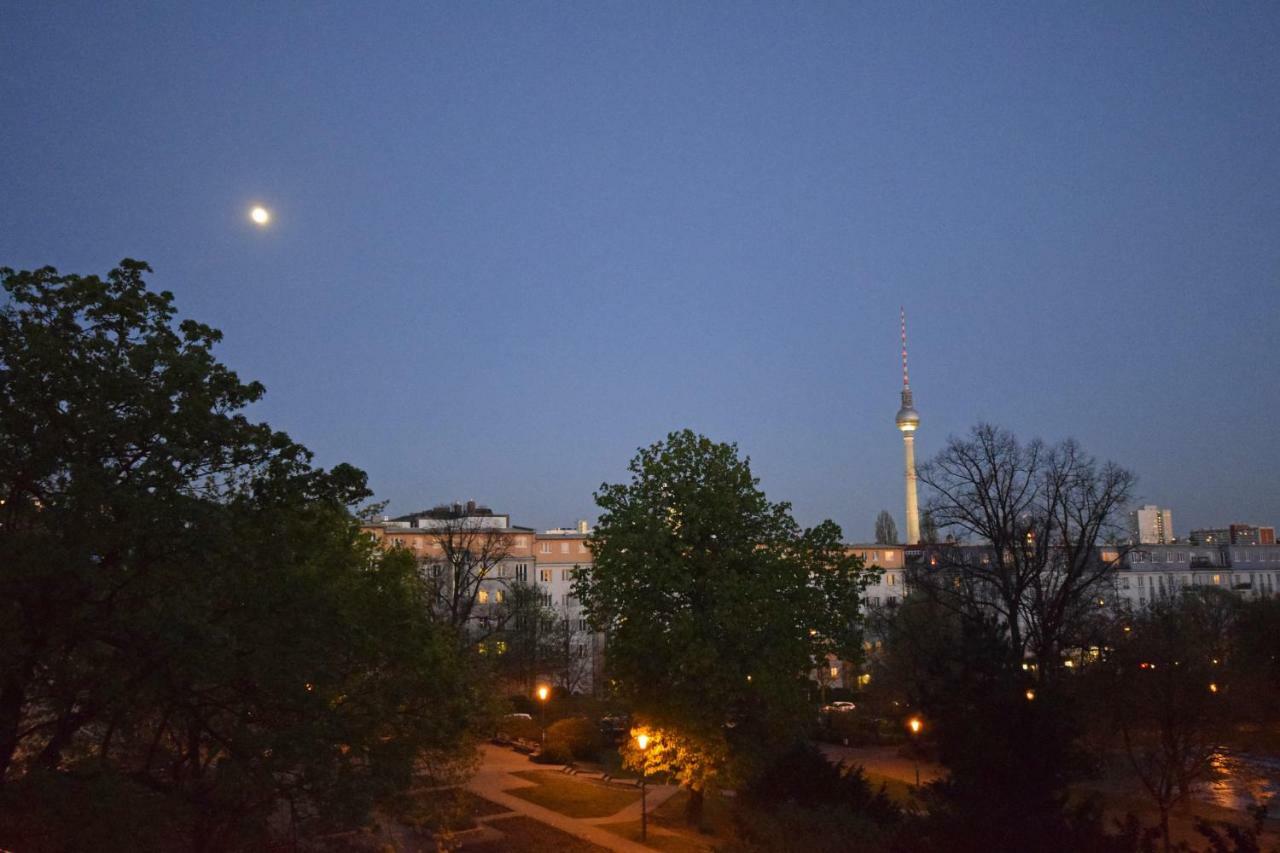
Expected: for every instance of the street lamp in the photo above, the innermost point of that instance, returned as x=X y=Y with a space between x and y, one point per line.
x=543 y=693
x=642 y=741
x=914 y=725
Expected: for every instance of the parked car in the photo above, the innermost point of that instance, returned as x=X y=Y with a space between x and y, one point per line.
x=838 y=708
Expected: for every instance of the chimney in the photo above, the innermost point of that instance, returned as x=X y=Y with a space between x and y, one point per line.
x=471 y=507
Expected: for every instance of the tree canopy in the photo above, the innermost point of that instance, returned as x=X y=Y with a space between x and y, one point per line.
x=715 y=603
x=192 y=627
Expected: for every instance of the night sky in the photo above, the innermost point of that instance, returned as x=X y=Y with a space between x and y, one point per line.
x=513 y=242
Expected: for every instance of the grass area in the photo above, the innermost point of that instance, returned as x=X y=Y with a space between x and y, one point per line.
x=526 y=835
x=900 y=792
x=573 y=797
x=445 y=809
x=717 y=817
x=480 y=807
x=660 y=839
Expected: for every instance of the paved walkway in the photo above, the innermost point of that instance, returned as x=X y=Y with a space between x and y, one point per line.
x=495 y=777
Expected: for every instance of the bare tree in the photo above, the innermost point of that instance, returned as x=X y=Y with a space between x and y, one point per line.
x=467 y=570
x=1040 y=511
x=886 y=529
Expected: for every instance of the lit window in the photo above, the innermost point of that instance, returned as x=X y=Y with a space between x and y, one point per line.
x=483 y=596
x=500 y=647
x=544 y=575
x=497 y=596
x=892 y=579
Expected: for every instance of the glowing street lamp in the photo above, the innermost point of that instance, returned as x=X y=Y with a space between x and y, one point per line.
x=543 y=694
x=1030 y=694
x=914 y=725
x=642 y=741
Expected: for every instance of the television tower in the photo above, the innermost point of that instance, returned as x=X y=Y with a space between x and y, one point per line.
x=908 y=420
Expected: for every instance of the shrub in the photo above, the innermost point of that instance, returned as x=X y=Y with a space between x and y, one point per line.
x=555 y=752
x=577 y=735
x=513 y=726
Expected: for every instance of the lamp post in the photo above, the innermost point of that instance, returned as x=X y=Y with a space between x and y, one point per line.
x=642 y=741
x=914 y=725
x=543 y=693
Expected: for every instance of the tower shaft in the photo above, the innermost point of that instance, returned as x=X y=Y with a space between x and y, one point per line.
x=913 y=509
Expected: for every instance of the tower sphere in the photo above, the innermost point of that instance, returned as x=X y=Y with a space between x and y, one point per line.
x=908 y=418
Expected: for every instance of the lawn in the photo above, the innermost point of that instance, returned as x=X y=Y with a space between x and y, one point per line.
x=526 y=835
x=573 y=797
x=444 y=809
x=717 y=817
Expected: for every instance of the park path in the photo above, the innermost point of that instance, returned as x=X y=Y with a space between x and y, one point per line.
x=495 y=777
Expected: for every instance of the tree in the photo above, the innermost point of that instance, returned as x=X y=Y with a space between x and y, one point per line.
x=192 y=627
x=886 y=529
x=928 y=529
x=468 y=555
x=1166 y=689
x=1042 y=511
x=715 y=604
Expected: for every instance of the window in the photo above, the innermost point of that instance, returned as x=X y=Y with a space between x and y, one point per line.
x=1124 y=583
x=835 y=671
x=1217 y=578
x=521 y=541
x=566 y=574
x=544 y=575
x=582 y=547
x=891 y=579
x=483 y=596
x=546 y=547
x=522 y=572
x=564 y=547
x=497 y=596
x=500 y=647
x=891 y=600
x=582 y=625
x=437 y=570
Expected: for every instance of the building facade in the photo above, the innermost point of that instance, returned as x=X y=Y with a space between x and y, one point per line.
x=1151 y=525
x=472 y=546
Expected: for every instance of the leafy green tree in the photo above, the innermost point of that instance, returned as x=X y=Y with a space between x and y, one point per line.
x=192 y=627
x=886 y=529
x=715 y=604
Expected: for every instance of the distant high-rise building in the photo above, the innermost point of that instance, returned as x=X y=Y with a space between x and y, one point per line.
x=1210 y=536
x=1151 y=525
x=908 y=419
x=1235 y=534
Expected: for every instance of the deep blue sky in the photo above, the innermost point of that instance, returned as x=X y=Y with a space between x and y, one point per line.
x=515 y=241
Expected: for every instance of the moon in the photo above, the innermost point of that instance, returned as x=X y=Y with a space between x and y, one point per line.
x=260 y=215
